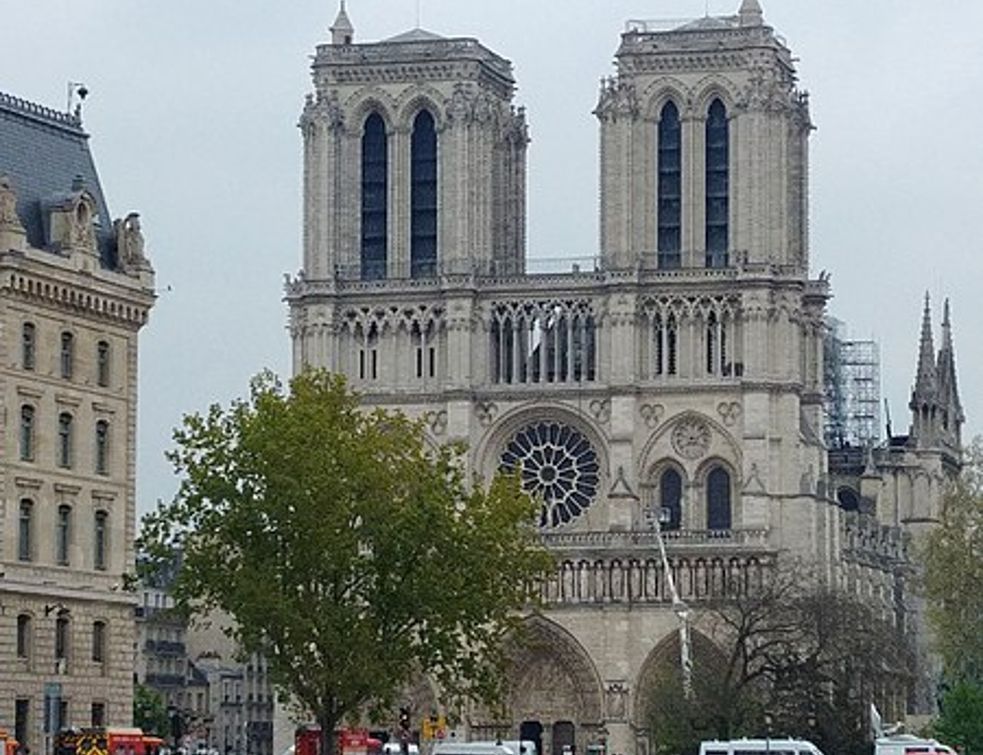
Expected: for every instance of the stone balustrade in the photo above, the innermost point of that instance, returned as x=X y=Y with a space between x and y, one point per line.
x=625 y=567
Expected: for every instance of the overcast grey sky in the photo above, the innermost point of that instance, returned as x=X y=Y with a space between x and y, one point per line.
x=193 y=112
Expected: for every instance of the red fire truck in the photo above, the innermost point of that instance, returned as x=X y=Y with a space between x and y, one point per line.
x=100 y=741
x=307 y=741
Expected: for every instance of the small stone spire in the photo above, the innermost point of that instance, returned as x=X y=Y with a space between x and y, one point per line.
x=750 y=13
x=342 y=31
x=946 y=328
x=925 y=383
x=946 y=369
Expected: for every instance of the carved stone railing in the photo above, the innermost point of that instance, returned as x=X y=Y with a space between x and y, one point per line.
x=626 y=568
x=645 y=540
x=39 y=112
x=867 y=542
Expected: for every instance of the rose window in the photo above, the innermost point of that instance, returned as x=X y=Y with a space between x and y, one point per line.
x=556 y=464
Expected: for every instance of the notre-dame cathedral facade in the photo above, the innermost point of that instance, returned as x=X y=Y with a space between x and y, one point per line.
x=680 y=376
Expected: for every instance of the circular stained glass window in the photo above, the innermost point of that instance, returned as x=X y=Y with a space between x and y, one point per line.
x=556 y=464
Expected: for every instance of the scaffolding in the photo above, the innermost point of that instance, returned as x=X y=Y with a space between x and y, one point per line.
x=852 y=377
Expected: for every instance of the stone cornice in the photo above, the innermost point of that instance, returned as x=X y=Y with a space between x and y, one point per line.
x=689 y=281
x=106 y=296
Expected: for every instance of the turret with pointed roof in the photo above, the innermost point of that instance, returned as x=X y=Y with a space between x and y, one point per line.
x=937 y=415
x=948 y=388
x=925 y=383
x=342 y=31
x=750 y=13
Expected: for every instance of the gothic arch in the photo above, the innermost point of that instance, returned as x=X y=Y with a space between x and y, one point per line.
x=714 y=460
x=421 y=97
x=551 y=677
x=664 y=659
x=369 y=100
x=658 y=94
x=490 y=447
x=713 y=87
x=657 y=447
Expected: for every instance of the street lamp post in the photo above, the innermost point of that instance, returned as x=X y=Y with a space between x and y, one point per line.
x=656 y=520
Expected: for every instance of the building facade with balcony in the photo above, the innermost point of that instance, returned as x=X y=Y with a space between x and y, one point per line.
x=76 y=287
x=677 y=376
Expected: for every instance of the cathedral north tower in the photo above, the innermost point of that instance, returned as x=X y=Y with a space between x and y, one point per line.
x=414 y=158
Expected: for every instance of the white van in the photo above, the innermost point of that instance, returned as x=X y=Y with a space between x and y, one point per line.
x=511 y=747
x=907 y=744
x=766 y=746
x=395 y=748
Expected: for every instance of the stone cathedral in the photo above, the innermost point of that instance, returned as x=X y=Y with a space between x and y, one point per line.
x=678 y=377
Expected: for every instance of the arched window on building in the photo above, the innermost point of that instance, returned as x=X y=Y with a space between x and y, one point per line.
x=423 y=197
x=67 y=354
x=847 y=499
x=62 y=638
x=718 y=499
x=63 y=534
x=375 y=197
x=27 y=433
x=717 y=185
x=24 y=636
x=716 y=345
x=99 y=641
x=64 y=440
x=25 y=531
x=672 y=335
x=28 y=346
x=102 y=363
x=100 y=542
x=670 y=188
x=670 y=499
x=102 y=447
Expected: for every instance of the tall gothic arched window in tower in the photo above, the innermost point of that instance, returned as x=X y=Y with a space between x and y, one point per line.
x=670 y=499
x=423 y=197
x=718 y=499
x=670 y=188
x=717 y=184
x=375 y=197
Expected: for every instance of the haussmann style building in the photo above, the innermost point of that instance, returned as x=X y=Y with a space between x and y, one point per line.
x=679 y=374
x=75 y=289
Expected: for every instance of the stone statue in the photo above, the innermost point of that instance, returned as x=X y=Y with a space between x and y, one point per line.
x=8 y=203
x=129 y=242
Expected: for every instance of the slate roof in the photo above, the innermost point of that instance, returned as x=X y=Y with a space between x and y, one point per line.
x=44 y=152
x=415 y=35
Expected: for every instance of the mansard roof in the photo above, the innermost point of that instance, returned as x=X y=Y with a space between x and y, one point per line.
x=46 y=155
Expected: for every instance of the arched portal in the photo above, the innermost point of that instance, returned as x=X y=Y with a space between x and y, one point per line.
x=660 y=710
x=553 y=693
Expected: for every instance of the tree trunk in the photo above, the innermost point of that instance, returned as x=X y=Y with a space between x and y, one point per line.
x=327 y=722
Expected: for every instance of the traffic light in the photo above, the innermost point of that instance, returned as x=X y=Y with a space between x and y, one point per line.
x=404 y=719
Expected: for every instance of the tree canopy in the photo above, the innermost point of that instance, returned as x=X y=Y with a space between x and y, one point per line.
x=350 y=552
x=952 y=557
x=791 y=657
x=953 y=566
x=150 y=712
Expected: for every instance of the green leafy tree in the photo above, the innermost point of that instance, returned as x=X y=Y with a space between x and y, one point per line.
x=150 y=712
x=790 y=657
x=953 y=561
x=349 y=553
x=960 y=721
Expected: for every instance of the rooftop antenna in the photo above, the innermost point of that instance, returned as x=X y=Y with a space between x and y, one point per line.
x=887 y=414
